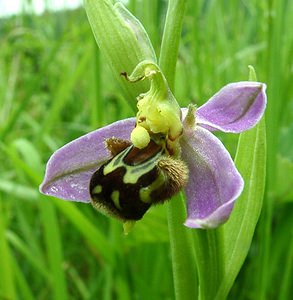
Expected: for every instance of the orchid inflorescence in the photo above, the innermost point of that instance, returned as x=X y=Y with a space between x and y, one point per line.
x=128 y=166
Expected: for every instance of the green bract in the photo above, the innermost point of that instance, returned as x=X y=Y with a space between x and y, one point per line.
x=122 y=40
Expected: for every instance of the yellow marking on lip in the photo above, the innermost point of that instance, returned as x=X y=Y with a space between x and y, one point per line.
x=133 y=174
x=145 y=192
x=116 y=162
x=115 y=199
x=98 y=189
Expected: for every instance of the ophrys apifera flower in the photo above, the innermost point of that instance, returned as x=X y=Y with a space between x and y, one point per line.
x=126 y=167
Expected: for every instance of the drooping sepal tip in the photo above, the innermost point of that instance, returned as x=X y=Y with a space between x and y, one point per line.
x=128 y=226
x=158 y=110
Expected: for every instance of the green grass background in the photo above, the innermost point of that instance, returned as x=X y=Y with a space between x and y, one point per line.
x=55 y=86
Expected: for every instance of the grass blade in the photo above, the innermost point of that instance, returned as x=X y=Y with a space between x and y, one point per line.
x=7 y=288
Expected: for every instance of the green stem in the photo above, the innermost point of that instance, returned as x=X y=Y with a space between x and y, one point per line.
x=182 y=251
x=209 y=260
x=171 y=39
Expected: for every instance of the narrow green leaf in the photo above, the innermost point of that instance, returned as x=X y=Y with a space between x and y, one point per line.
x=54 y=250
x=23 y=282
x=238 y=231
x=7 y=288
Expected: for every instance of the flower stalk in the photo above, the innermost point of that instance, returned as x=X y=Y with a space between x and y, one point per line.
x=171 y=39
x=181 y=240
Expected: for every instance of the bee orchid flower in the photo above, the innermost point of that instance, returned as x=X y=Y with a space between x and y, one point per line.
x=131 y=164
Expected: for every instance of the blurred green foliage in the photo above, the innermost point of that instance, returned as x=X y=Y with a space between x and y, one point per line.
x=55 y=86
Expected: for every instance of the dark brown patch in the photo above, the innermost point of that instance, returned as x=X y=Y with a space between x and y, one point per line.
x=115 y=145
x=137 y=156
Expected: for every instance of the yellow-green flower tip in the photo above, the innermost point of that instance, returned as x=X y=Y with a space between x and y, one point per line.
x=140 y=137
x=190 y=120
x=128 y=226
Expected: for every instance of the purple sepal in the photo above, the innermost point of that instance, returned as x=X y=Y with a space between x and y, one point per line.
x=214 y=182
x=235 y=108
x=70 y=168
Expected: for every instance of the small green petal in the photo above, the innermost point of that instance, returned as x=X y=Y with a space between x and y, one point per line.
x=252 y=73
x=190 y=121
